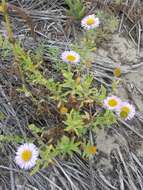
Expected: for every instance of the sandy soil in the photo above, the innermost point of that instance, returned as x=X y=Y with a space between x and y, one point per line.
x=121 y=50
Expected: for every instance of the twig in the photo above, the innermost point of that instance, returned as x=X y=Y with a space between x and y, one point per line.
x=68 y=178
x=139 y=37
x=127 y=171
x=13 y=113
x=11 y=177
x=131 y=128
x=40 y=173
x=106 y=181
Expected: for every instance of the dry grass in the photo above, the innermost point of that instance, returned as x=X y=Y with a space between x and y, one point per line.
x=51 y=26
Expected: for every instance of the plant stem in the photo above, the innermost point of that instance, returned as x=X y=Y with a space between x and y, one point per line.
x=11 y=37
x=7 y=21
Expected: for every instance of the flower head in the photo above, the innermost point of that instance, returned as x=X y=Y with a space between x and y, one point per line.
x=91 y=149
x=26 y=156
x=90 y=22
x=70 y=57
x=117 y=72
x=63 y=110
x=126 y=111
x=112 y=102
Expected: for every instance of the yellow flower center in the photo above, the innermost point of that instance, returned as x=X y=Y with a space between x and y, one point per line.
x=91 y=150
x=90 y=21
x=26 y=155
x=112 y=102
x=124 y=112
x=71 y=58
x=117 y=72
x=63 y=110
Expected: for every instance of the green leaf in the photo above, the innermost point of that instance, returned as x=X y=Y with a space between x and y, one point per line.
x=2 y=116
x=11 y=138
x=107 y=119
x=102 y=95
x=74 y=122
x=34 y=129
x=36 y=168
x=76 y=8
x=68 y=146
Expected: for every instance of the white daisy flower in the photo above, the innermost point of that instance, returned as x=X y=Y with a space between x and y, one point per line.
x=70 y=57
x=26 y=156
x=126 y=111
x=112 y=102
x=90 y=22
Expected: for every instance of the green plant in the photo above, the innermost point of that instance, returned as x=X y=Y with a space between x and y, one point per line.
x=76 y=8
x=47 y=154
x=2 y=116
x=72 y=88
x=106 y=119
x=74 y=122
x=6 y=47
x=11 y=139
x=68 y=146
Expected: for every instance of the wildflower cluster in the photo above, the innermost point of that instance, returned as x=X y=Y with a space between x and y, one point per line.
x=81 y=106
x=124 y=110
